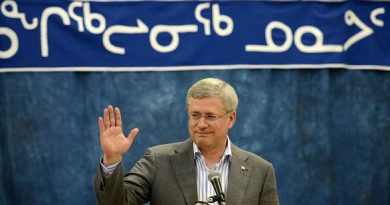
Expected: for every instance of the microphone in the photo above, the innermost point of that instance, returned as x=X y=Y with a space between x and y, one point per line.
x=215 y=179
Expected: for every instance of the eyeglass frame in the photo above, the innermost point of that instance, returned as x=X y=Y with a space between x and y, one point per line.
x=207 y=117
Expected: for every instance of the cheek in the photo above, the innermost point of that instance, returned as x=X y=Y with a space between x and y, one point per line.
x=191 y=126
x=230 y=124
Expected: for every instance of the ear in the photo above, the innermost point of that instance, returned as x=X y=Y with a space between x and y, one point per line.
x=232 y=119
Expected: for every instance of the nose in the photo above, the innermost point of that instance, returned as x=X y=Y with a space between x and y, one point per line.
x=202 y=123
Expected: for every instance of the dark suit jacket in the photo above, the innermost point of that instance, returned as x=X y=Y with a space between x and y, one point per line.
x=166 y=175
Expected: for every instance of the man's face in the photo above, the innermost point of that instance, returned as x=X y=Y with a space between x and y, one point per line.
x=210 y=131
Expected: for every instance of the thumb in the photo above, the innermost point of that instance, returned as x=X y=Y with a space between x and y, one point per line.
x=133 y=133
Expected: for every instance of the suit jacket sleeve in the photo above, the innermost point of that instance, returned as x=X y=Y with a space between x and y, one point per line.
x=133 y=188
x=268 y=195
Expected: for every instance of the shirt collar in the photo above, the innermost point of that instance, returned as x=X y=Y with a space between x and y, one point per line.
x=226 y=154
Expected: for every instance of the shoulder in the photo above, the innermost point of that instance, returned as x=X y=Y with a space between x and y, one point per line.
x=251 y=158
x=171 y=148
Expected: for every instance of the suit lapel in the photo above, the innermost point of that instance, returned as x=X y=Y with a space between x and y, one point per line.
x=183 y=165
x=239 y=175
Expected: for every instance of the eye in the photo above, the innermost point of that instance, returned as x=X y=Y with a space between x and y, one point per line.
x=195 y=116
x=211 y=117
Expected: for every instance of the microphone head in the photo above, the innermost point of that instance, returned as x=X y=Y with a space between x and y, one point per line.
x=214 y=175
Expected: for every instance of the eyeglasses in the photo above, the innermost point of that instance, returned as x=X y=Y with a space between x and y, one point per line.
x=207 y=117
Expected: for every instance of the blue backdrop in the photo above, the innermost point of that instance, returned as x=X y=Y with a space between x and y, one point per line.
x=326 y=131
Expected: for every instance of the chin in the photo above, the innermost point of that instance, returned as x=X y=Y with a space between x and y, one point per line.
x=201 y=135
x=201 y=141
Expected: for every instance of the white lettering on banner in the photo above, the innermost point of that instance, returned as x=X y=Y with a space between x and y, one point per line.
x=14 y=13
x=271 y=46
x=350 y=19
x=217 y=18
x=318 y=46
x=171 y=30
x=374 y=14
x=201 y=19
x=89 y=17
x=14 y=43
x=45 y=16
x=140 y=28
x=222 y=25
x=75 y=17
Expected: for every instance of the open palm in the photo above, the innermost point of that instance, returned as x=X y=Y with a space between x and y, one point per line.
x=114 y=143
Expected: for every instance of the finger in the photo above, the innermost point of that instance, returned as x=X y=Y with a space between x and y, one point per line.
x=101 y=125
x=106 y=118
x=118 y=117
x=112 y=115
x=133 y=133
x=130 y=138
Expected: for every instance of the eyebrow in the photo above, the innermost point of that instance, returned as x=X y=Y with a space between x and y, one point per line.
x=207 y=113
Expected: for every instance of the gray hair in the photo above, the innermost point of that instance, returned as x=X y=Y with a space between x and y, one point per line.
x=214 y=87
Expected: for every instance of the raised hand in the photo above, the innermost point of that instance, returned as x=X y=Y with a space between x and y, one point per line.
x=114 y=143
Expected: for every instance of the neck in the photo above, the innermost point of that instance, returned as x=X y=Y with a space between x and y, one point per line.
x=213 y=155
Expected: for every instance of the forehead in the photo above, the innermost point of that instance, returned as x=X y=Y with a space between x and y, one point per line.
x=205 y=105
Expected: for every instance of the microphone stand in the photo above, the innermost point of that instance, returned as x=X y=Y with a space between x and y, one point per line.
x=201 y=202
x=211 y=200
x=217 y=198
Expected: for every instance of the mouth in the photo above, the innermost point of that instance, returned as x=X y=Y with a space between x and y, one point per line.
x=203 y=133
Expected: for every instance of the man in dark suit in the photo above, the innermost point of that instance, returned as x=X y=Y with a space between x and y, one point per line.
x=177 y=173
